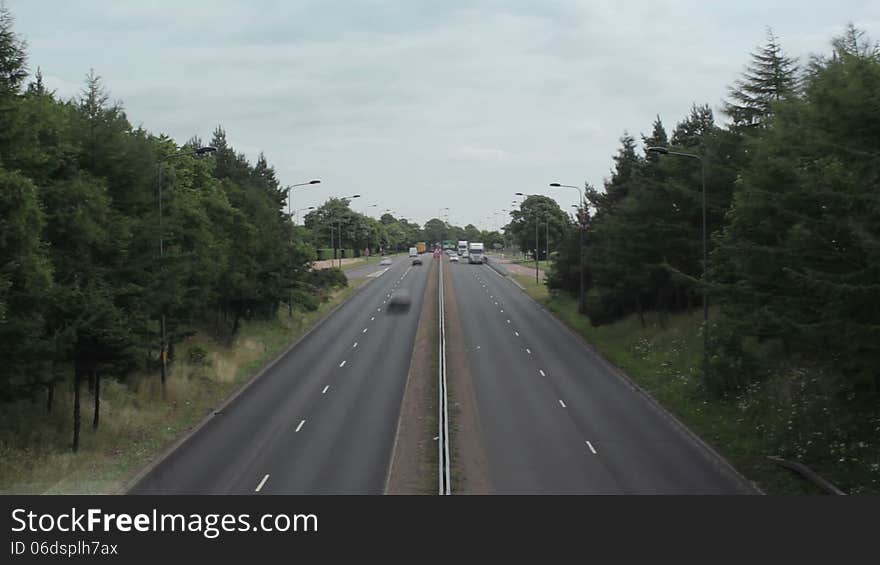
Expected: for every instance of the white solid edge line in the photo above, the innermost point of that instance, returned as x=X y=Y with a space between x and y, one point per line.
x=259 y=486
x=561 y=403
x=593 y=449
x=325 y=389
x=299 y=427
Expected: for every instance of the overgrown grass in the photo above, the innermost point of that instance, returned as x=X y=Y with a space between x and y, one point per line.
x=136 y=424
x=537 y=290
x=665 y=358
x=542 y=265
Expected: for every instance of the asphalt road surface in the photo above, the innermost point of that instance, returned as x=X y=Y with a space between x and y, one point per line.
x=555 y=418
x=322 y=420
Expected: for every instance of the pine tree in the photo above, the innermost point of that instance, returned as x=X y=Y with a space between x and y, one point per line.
x=658 y=138
x=13 y=55
x=37 y=87
x=692 y=131
x=769 y=78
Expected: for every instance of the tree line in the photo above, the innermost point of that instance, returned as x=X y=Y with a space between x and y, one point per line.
x=793 y=214
x=108 y=231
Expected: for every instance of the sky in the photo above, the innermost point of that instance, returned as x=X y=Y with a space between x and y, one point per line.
x=420 y=106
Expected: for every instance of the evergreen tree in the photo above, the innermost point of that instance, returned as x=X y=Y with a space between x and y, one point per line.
x=770 y=77
x=13 y=56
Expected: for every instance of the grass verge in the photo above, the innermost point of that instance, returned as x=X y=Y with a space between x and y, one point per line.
x=136 y=424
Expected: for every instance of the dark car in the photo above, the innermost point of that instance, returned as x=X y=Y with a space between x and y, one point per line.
x=417 y=261
x=400 y=301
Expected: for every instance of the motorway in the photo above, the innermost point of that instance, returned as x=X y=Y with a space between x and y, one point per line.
x=555 y=418
x=322 y=419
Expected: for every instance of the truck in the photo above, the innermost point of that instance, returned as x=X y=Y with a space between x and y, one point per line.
x=421 y=246
x=475 y=253
x=463 y=248
x=448 y=244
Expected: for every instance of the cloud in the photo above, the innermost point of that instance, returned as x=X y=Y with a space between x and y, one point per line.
x=480 y=153
x=404 y=101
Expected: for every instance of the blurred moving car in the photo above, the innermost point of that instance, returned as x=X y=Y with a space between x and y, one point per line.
x=453 y=258
x=400 y=301
x=385 y=261
x=417 y=260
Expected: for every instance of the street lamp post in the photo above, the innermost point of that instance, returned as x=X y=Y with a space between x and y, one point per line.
x=297 y=211
x=580 y=242
x=702 y=160
x=290 y=192
x=164 y=337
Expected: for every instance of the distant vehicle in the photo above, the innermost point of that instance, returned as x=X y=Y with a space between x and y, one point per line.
x=417 y=260
x=475 y=253
x=385 y=261
x=453 y=258
x=448 y=244
x=413 y=252
x=400 y=301
x=450 y=252
x=462 y=248
x=421 y=246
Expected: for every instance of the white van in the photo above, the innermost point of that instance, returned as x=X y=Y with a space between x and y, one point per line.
x=413 y=252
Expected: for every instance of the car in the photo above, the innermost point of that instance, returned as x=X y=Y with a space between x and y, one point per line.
x=453 y=258
x=400 y=301
x=417 y=261
x=385 y=261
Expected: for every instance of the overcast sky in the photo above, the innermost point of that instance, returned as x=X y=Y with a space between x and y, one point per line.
x=419 y=105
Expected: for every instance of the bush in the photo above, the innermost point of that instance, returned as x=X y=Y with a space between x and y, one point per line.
x=327 y=278
x=198 y=355
x=306 y=300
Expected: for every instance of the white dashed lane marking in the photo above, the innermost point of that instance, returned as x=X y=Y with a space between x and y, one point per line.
x=542 y=372
x=263 y=482
x=325 y=389
x=561 y=403
x=593 y=449
x=342 y=364
x=299 y=427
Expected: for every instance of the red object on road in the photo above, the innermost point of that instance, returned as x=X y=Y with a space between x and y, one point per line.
x=436 y=254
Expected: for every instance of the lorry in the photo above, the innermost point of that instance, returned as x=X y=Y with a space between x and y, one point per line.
x=475 y=253
x=421 y=246
x=463 y=248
